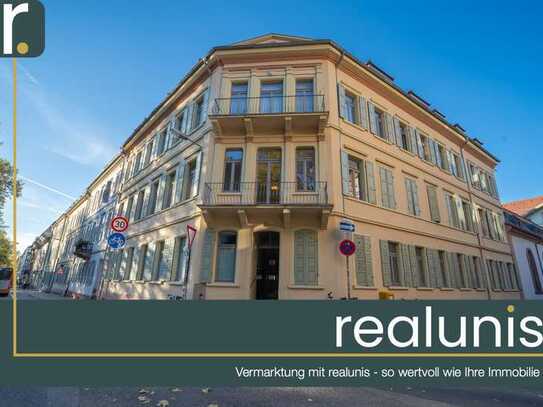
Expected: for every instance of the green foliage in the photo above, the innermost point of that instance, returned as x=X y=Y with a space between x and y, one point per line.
x=6 y=247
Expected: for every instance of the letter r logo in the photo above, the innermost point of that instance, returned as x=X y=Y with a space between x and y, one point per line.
x=22 y=28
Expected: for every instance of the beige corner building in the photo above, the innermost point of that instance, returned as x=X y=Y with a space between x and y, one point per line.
x=265 y=147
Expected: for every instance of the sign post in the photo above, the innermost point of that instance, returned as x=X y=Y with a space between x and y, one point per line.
x=191 y=234
x=347 y=248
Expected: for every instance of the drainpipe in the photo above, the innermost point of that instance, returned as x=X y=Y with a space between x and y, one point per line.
x=478 y=232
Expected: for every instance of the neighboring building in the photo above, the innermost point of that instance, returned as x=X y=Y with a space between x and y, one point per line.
x=531 y=209
x=90 y=247
x=24 y=265
x=264 y=147
x=526 y=238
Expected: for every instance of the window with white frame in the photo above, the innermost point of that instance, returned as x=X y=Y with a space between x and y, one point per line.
x=226 y=257
x=233 y=164
x=305 y=168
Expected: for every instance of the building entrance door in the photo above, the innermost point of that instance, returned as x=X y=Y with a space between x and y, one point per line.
x=267 y=265
x=268 y=176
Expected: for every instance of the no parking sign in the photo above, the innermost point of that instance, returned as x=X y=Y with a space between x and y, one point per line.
x=347 y=247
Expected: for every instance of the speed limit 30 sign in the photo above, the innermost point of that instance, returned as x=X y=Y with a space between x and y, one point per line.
x=119 y=223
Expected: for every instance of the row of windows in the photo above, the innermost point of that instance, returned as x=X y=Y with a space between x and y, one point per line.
x=359 y=182
x=222 y=246
x=360 y=111
x=189 y=119
x=266 y=159
x=177 y=185
x=164 y=260
x=414 y=266
x=482 y=180
x=271 y=98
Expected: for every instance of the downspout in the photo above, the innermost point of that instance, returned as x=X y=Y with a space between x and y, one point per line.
x=478 y=232
x=340 y=134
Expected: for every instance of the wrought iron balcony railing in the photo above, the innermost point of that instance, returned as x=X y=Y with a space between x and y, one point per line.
x=307 y=192
x=267 y=105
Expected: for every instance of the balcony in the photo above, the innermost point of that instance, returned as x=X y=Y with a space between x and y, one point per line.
x=259 y=202
x=269 y=115
x=83 y=249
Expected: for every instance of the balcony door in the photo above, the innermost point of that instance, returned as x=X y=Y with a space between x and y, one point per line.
x=271 y=97
x=268 y=176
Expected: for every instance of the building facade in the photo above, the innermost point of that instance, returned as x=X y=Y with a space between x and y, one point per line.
x=264 y=148
x=526 y=238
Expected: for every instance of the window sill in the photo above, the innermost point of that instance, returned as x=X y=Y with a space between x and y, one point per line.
x=447 y=289
x=155 y=282
x=466 y=289
x=480 y=289
x=175 y=283
x=222 y=284
x=305 y=287
x=363 y=287
x=425 y=289
x=398 y=288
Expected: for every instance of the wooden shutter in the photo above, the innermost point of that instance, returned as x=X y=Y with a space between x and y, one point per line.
x=306 y=257
x=466 y=271
x=408 y=189
x=414 y=189
x=196 y=181
x=439 y=161
x=345 y=173
x=420 y=147
x=412 y=139
x=149 y=261
x=165 y=266
x=432 y=203
x=451 y=280
x=385 y=263
x=514 y=276
x=341 y=101
x=363 y=112
x=179 y=181
x=208 y=253
x=432 y=147
x=433 y=265
x=364 y=273
x=371 y=182
x=389 y=128
x=205 y=104
x=390 y=184
x=415 y=267
x=460 y=213
x=373 y=124
x=397 y=133
x=439 y=272
x=408 y=279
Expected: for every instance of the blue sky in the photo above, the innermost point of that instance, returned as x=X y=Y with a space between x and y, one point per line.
x=107 y=64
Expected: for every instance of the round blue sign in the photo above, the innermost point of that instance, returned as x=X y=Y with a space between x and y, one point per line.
x=116 y=240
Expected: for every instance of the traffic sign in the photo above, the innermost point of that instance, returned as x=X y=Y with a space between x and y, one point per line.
x=347 y=247
x=116 y=240
x=119 y=224
x=346 y=226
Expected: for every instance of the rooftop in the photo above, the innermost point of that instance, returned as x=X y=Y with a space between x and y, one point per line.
x=524 y=206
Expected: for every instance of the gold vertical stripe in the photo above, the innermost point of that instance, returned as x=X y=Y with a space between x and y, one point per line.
x=14 y=202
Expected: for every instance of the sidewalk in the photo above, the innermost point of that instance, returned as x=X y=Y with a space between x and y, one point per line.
x=37 y=295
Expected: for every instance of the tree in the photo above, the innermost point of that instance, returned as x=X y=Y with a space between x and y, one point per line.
x=6 y=250
x=6 y=183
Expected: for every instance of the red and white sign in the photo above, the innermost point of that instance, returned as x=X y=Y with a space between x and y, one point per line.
x=191 y=234
x=347 y=247
x=119 y=224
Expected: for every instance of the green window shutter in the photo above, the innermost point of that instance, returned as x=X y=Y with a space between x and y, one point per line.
x=341 y=101
x=306 y=257
x=363 y=112
x=165 y=266
x=373 y=124
x=409 y=192
x=385 y=263
x=439 y=162
x=432 y=203
x=179 y=181
x=456 y=271
x=397 y=133
x=451 y=280
x=439 y=280
x=466 y=271
x=481 y=274
x=205 y=104
x=196 y=181
x=414 y=267
x=432 y=148
x=384 y=187
x=412 y=140
x=408 y=279
x=389 y=128
x=433 y=264
x=420 y=147
x=364 y=274
x=208 y=252
x=149 y=261
x=371 y=182
x=414 y=190
x=345 y=173
x=390 y=182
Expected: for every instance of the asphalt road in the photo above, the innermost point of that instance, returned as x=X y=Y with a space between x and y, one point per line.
x=277 y=397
